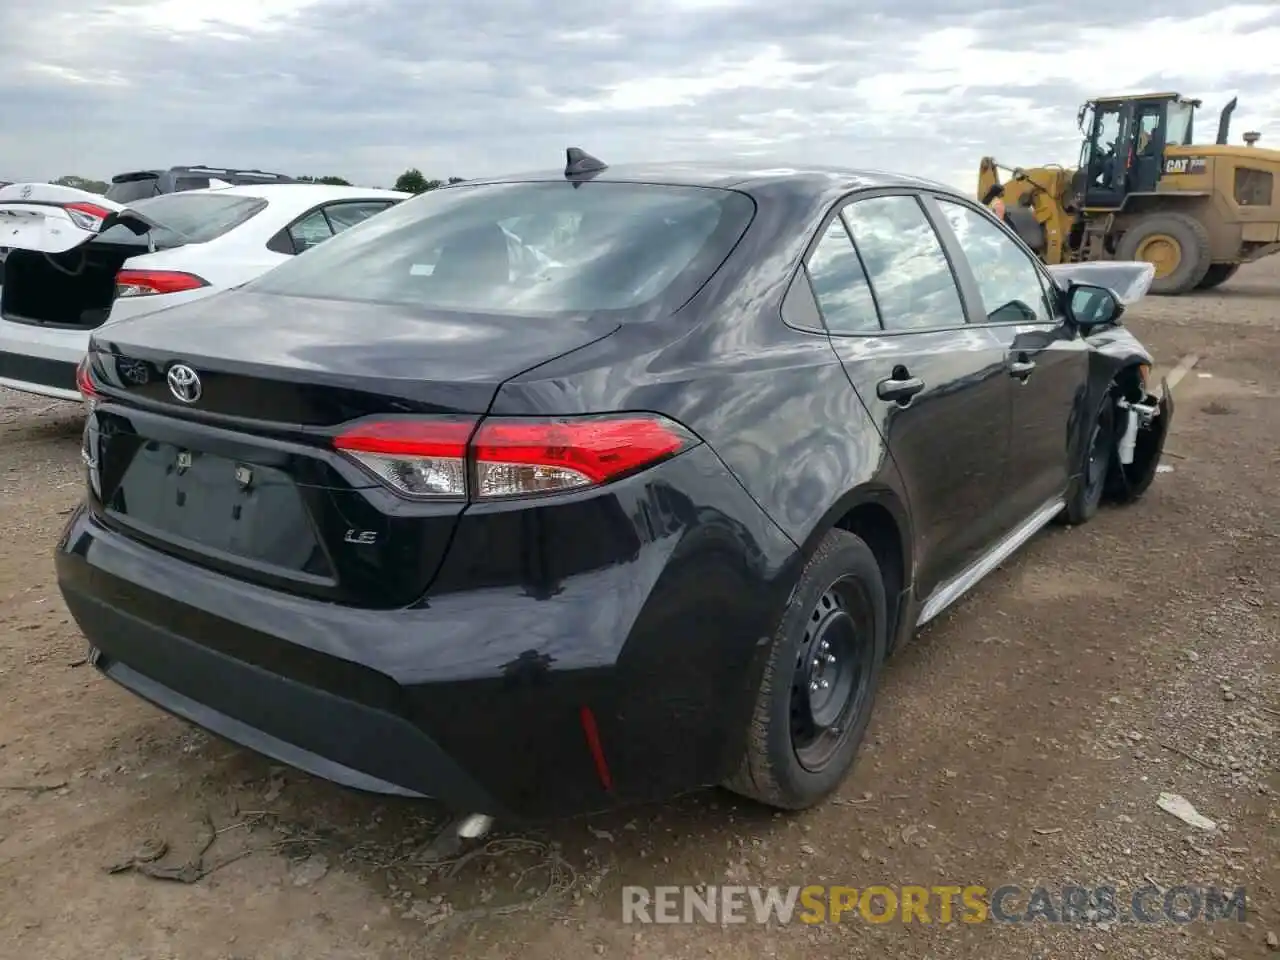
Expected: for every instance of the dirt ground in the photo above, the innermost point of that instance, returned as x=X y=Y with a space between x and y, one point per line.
x=1023 y=738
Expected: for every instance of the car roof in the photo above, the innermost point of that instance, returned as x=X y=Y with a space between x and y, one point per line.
x=320 y=191
x=298 y=196
x=740 y=175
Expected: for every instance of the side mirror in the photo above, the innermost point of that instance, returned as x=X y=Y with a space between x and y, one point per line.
x=1089 y=305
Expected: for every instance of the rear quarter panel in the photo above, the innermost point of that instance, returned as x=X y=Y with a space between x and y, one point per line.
x=224 y=263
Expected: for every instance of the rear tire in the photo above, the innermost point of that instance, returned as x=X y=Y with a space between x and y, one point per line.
x=1099 y=453
x=1177 y=241
x=1218 y=274
x=816 y=695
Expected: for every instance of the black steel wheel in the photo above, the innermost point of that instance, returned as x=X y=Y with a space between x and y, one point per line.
x=832 y=673
x=816 y=693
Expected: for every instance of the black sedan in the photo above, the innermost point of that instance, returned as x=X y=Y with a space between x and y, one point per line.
x=543 y=494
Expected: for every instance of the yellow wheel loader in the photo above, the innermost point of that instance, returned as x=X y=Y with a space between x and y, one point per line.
x=1144 y=190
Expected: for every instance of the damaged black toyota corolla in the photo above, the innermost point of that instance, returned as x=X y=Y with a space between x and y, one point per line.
x=548 y=493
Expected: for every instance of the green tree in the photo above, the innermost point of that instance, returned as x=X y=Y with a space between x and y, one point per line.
x=81 y=183
x=412 y=181
x=334 y=181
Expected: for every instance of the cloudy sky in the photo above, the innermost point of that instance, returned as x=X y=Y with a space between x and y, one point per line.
x=473 y=87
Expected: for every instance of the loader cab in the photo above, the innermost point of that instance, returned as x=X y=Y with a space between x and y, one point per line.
x=1125 y=140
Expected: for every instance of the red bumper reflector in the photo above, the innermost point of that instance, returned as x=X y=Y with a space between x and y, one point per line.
x=592 y=733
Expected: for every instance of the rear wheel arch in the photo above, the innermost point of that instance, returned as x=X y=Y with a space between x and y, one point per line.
x=880 y=519
x=877 y=527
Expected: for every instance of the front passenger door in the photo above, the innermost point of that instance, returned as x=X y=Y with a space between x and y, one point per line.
x=1045 y=361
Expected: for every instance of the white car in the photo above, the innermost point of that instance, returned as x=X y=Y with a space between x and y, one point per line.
x=76 y=260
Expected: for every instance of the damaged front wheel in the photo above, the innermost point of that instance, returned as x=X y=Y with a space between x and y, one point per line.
x=1142 y=426
x=1123 y=449
x=1099 y=453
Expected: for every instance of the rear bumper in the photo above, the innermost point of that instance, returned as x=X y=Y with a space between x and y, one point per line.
x=46 y=385
x=310 y=729
x=475 y=698
x=41 y=361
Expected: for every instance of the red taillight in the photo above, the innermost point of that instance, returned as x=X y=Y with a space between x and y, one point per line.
x=423 y=459
x=87 y=216
x=451 y=459
x=84 y=382
x=515 y=457
x=146 y=283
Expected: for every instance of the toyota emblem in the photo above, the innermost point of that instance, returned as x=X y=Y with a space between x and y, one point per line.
x=184 y=383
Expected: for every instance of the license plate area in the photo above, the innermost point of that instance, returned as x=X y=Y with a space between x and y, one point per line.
x=218 y=508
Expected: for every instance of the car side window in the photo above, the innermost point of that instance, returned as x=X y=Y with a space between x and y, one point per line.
x=909 y=272
x=311 y=230
x=1010 y=284
x=839 y=285
x=348 y=214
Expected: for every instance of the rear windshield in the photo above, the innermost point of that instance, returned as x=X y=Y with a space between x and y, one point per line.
x=187 y=217
x=128 y=191
x=526 y=248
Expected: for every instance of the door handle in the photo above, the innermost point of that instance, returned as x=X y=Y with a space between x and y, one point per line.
x=1021 y=368
x=899 y=388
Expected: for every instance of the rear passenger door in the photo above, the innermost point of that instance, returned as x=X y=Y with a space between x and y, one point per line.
x=935 y=385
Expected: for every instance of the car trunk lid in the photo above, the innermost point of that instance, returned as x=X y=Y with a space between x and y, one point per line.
x=48 y=218
x=232 y=465
x=59 y=270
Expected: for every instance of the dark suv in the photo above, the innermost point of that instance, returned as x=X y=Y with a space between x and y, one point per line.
x=139 y=184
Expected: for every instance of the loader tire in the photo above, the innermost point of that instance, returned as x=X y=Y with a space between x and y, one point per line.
x=1177 y=245
x=1219 y=273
